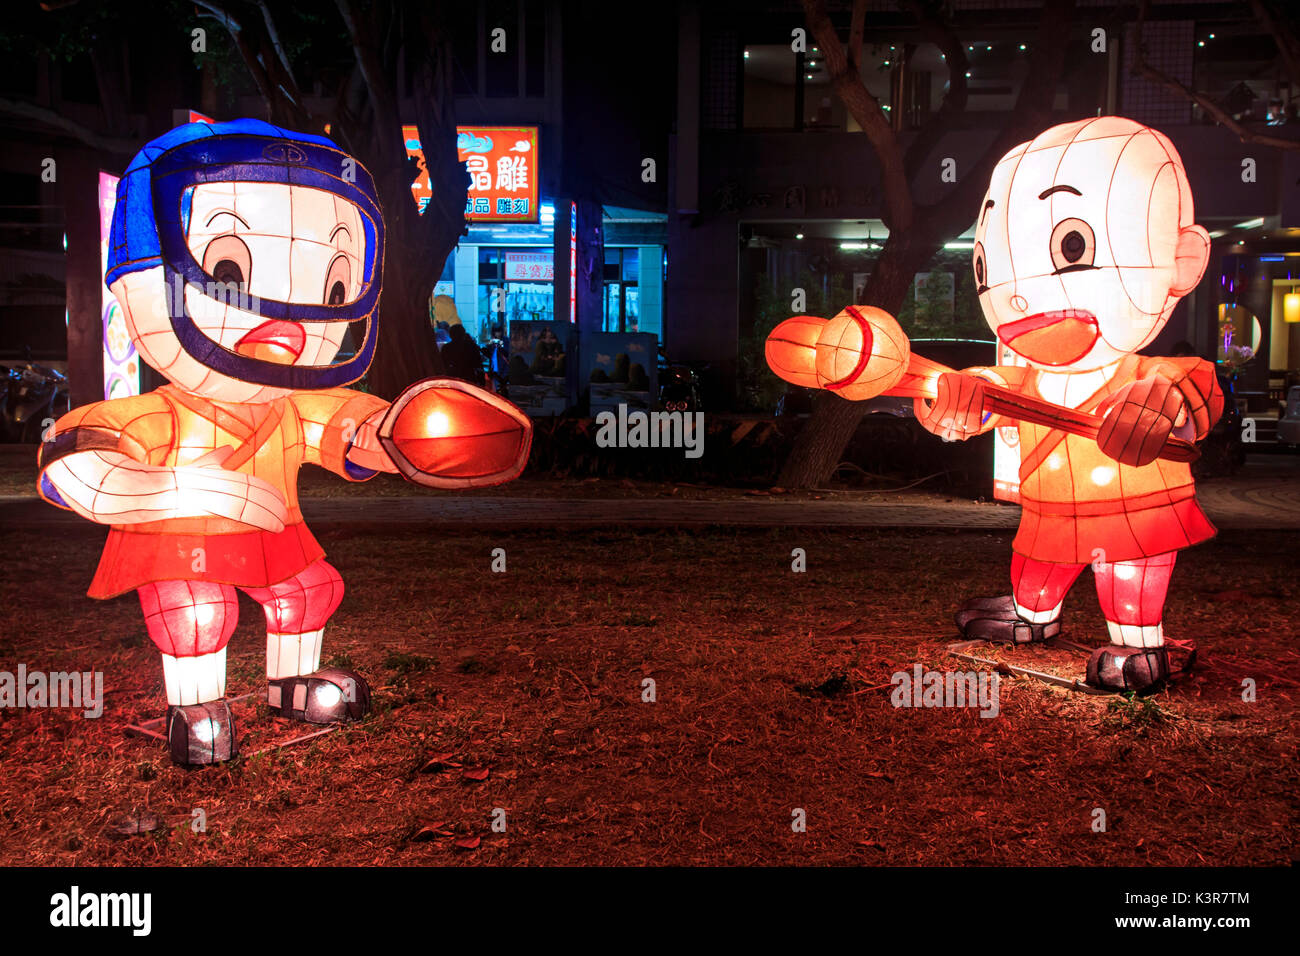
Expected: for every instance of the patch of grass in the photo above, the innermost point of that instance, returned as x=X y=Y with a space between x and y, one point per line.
x=768 y=696
x=1131 y=712
x=404 y=663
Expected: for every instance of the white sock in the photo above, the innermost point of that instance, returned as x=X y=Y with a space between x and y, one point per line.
x=1038 y=617
x=1136 y=635
x=292 y=655
x=195 y=680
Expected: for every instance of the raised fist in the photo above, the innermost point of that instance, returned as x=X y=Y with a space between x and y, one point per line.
x=446 y=433
x=957 y=412
x=1138 y=420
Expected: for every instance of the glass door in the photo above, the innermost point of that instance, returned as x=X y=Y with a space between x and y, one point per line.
x=613 y=307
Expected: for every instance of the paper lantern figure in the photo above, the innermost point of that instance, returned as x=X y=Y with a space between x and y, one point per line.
x=247 y=260
x=1085 y=243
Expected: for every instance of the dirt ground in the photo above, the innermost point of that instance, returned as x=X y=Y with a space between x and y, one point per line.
x=522 y=692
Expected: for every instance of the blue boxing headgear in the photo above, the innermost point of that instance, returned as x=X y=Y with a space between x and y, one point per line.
x=149 y=230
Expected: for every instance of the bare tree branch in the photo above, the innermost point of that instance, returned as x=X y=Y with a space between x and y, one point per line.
x=847 y=82
x=252 y=63
x=1288 y=44
x=856 y=29
x=1221 y=116
x=1029 y=116
x=939 y=32
x=379 y=76
x=84 y=134
x=274 y=36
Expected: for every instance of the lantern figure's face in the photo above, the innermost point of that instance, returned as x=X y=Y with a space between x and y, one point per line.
x=255 y=241
x=1085 y=243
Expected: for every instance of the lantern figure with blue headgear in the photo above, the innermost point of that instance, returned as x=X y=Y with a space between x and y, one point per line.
x=247 y=260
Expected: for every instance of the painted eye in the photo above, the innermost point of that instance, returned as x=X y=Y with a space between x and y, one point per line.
x=1073 y=246
x=228 y=261
x=338 y=281
x=981 y=270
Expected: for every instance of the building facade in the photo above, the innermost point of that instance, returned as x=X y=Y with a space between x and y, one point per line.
x=775 y=188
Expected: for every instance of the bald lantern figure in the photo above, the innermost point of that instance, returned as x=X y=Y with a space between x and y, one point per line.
x=1085 y=243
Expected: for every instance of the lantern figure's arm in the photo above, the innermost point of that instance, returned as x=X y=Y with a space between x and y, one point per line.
x=1169 y=404
x=960 y=407
x=862 y=353
x=365 y=451
x=110 y=487
x=339 y=426
x=1198 y=385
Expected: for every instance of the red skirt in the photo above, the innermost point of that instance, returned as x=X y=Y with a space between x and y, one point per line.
x=244 y=559
x=1122 y=530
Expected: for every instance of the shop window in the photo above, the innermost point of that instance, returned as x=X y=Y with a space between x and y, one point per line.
x=622 y=291
x=513 y=286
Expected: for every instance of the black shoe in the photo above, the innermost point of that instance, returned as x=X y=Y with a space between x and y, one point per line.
x=1138 y=669
x=996 y=620
x=201 y=734
x=322 y=697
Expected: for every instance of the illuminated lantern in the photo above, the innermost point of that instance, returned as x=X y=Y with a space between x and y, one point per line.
x=1085 y=242
x=242 y=256
x=1291 y=307
x=859 y=354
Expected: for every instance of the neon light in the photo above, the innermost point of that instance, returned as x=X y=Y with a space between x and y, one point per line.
x=573 y=262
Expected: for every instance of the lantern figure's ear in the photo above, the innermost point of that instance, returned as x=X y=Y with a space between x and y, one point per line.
x=1191 y=257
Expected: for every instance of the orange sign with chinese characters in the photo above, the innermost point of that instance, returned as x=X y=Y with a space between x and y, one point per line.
x=503 y=169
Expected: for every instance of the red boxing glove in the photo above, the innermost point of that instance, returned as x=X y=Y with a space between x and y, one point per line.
x=957 y=412
x=1138 y=420
x=446 y=433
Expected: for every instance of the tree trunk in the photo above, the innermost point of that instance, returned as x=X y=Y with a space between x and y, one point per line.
x=822 y=439
x=407 y=350
x=417 y=245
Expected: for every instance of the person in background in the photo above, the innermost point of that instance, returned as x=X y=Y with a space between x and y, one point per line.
x=462 y=358
x=443 y=315
x=497 y=355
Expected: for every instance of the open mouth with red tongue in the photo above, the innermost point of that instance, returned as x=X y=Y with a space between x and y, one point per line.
x=1060 y=337
x=275 y=341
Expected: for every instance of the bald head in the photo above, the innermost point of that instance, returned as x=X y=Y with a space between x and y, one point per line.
x=1092 y=220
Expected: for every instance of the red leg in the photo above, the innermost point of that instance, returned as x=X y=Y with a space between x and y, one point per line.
x=189 y=618
x=1040 y=586
x=302 y=603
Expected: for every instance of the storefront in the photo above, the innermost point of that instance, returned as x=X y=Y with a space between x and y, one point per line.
x=503 y=272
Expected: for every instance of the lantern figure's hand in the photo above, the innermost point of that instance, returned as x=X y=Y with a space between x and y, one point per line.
x=365 y=450
x=110 y=487
x=957 y=411
x=1138 y=420
x=446 y=433
x=205 y=489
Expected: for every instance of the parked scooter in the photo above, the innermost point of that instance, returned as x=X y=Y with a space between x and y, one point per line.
x=679 y=387
x=34 y=395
